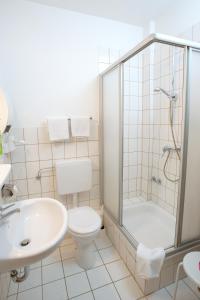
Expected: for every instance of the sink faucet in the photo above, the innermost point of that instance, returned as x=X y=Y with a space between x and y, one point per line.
x=9 y=213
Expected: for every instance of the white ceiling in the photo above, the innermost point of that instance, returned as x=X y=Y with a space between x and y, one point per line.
x=136 y=12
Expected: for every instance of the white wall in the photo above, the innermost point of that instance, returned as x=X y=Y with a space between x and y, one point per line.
x=179 y=17
x=49 y=59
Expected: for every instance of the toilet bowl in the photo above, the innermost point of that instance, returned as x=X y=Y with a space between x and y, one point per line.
x=84 y=225
x=74 y=176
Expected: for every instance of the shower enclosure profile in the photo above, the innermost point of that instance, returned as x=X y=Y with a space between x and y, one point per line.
x=150 y=150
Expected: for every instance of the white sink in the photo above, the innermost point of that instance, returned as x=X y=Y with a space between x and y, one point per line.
x=4 y=172
x=43 y=221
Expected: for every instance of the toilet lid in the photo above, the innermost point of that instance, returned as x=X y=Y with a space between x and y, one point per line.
x=84 y=220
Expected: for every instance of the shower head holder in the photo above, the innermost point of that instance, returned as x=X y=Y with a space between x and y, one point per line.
x=171 y=97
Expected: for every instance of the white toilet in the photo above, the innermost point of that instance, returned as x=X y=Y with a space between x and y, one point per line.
x=74 y=176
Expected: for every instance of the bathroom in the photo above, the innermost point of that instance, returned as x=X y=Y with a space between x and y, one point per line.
x=99 y=117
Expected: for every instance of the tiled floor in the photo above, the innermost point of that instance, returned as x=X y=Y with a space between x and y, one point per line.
x=59 y=277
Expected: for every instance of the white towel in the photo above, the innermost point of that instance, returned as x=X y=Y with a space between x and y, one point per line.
x=80 y=126
x=58 y=128
x=149 y=261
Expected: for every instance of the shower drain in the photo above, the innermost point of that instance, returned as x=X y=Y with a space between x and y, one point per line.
x=25 y=242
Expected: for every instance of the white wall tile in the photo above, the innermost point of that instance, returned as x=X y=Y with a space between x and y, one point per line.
x=45 y=151
x=94 y=130
x=22 y=187
x=82 y=149
x=94 y=193
x=47 y=184
x=32 y=169
x=95 y=177
x=32 y=153
x=95 y=203
x=58 y=150
x=42 y=156
x=49 y=195
x=70 y=150
x=83 y=196
x=43 y=136
x=19 y=171
x=47 y=165
x=93 y=148
x=130 y=260
x=95 y=162
x=18 y=155
x=34 y=186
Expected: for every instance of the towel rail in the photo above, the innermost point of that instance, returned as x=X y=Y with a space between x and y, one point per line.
x=70 y=118
x=39 y=174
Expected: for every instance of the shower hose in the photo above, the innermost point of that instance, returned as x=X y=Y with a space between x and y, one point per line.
x=175 y=145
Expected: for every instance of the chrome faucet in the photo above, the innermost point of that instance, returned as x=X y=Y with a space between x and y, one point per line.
x=168 y=148
x=9 y=213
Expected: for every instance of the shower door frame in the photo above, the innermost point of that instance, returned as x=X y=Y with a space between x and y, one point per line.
x=186 y=45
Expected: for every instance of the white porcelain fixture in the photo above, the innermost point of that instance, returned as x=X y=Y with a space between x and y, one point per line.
x=41 y=224
x=75 y=176
x=153 y=217
x=4 y=172
x=84 y=226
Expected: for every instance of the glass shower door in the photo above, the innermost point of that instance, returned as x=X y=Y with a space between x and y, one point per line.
x=152 y=143
x=111 y=148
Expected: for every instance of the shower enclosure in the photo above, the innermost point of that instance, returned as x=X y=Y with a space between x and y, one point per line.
x=150 y=156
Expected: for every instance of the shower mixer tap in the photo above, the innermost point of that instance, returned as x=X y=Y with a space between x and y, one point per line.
x=168 y=148
x=156 y=180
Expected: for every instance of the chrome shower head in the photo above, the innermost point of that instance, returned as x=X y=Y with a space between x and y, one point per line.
x=171 y=97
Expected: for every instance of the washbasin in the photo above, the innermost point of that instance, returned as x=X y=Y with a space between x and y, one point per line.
x=31 y=234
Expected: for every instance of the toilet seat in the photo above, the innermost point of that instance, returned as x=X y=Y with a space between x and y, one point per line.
x=83 y=220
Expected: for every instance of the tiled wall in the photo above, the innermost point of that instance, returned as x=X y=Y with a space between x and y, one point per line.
x=168 y=67
x=146 y=124
x=38 y=153
x=132 y=139
x=147 y=120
